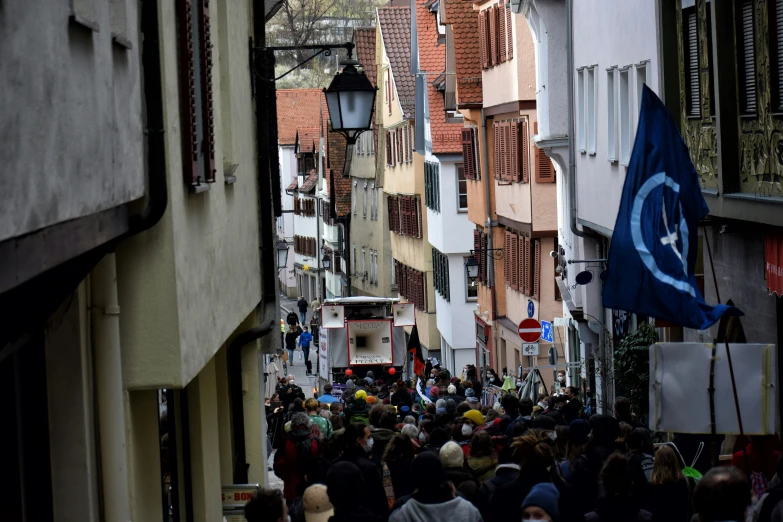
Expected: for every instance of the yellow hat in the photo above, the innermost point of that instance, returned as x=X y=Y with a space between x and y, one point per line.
x=361 y=394
x=475 y=416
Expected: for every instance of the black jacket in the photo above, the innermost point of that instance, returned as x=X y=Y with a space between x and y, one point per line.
x=290 y=341
x=618 y=509
x=584 y=474
x=402 y=398
x=670 y=502
x=376 y=495
x=302 y=305
x=459 y=475
x=291 y=319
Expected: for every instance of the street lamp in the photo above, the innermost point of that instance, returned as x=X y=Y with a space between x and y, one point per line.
x=472 y=268
x=326 y=262
x=350 y=99
x=282 y=254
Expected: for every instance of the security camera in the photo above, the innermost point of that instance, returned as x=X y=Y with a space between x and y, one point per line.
x=553 y=253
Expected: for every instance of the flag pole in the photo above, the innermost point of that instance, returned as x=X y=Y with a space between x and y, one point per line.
x=728 y=358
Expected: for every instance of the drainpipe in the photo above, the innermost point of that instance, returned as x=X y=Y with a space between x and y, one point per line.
x=109 y=391
x=488 y=224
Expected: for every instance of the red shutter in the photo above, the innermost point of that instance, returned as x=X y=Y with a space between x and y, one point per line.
x=417 y=204
x=187 y=85
x=410 y=143
x=528 y=267
x=523 y=172
x=482 y=40
x=514 y=271
x=505 y=150
x=400 y=146
x=424 y=291
x=207 y=107
x=388 y=148
x=509 y=36
x=484 y=268
x=545 y=171
x=493 y=35
x=468 y=154
x=496 y=170
x=502 y=32
x=537 y=270
x=508 y=264
x=519 y=258
x=477 y=250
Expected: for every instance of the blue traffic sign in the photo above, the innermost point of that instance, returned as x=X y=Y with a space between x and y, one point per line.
x=546 y=332
x=531 y=309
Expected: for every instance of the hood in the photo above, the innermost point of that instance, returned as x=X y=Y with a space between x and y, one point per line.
x=455 y=510
x=481 y=465
x=358 y=405
x=382 y=434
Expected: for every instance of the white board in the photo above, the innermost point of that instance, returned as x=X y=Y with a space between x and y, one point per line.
x=370 y=342
x=680 y=378
x=323 y=353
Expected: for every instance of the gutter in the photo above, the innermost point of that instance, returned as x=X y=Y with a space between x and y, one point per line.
x=488 y=224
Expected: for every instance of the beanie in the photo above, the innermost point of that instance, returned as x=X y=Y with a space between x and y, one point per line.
x=434 y=391
x=452 y=389
x=546 y=497
x=370 y=375
x=605 y=428
x=475 y=416
x=469 y=392
x=403 y=409
x=440 y=403
x=386 y=401
x=372 y=399
x=427 y=471
x=361 y=394
x=544 y=422
x=579 y=431
x=451 y=455
x=349 y=385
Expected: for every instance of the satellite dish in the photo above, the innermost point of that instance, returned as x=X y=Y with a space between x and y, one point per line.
x=583 y=278
x=404 y=314
x=332 y=316
x=595 y=326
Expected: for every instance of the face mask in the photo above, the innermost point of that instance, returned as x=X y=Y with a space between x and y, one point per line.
x=422 y=437
x=368 y=445
x=561 y=378
x=467 y=430
x=491 y=379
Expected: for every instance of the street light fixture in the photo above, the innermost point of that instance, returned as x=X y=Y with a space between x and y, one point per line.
x=282 y=254
x=472 y=268
x=326 y=262
x=350 y=99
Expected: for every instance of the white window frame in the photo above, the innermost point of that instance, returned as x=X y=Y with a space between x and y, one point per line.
x=611 y=112
x=590 y=116
x=625 y=115
x=364 y=263
x=457 y=168
x=580 y=111
x=353 y=198
x=364 y=202
x=641 y=79
x=355 y=261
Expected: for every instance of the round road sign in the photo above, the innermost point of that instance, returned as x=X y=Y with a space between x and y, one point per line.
x=530 y=330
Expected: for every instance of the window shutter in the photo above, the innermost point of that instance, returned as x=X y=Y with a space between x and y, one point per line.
x=502 y=32
x=484 y=270
x=207 y=107
x=521 y=262
x=493 y=35
x=509 y=36
x=506 y=154
x=187 y=85
x=514 y=160
x=747 y=56
x=514 y=272
x=496 y=169
x=388 y=148
x=417 y=207
x=482 y=40
x=523 y=171
x=507 y=261
x=410 y=143
x=423 y=291
x=537 y=270
x=545 y=171
x=691 y=47
x=468 y=154
x=397 y=146
x=477 y=249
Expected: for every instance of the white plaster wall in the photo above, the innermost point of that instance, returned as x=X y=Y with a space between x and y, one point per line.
x=71 y=134
x=609 y=33
x=307 y=227
x=285 y=223
x=449 y=230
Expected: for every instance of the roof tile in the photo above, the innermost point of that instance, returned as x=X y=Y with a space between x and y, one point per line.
x=342 y=185
x=298 y=108
x=310 y=182
x=395 y=25
x=464 y=24
x=364 y=38
x=307 y=137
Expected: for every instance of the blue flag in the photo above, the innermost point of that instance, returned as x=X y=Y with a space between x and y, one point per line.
x=655 y=240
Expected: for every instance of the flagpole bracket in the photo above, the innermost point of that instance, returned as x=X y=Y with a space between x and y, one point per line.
x=578 y=261
x=494 y=253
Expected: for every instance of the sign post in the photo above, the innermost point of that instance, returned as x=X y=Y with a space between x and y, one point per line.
x=530 y=330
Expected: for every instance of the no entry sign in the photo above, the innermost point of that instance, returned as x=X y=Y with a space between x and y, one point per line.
x=530 y=330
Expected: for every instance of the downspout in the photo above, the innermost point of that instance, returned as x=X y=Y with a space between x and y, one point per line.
x=571 y=152
x=488 y=224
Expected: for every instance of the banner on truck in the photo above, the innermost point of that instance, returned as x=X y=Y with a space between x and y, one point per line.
x=323 y=353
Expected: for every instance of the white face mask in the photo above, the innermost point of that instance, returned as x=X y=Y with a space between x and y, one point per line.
x=368 y=444
x=422 y=437
x=561 y=378
x=467 y=430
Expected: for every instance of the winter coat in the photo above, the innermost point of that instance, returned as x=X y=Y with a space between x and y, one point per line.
x=584 y=474
x=290 y=341
x=291 y=462
x=618 y=509
x=770 y=508
x=402 y=398
x=506 y=503
x=302 y=305
x=376 y=497
x=291 y=319
x=355 y=514
x=455 y=510
x=358 y=407
x=459 y=475
x=504 y=474
x=381 y=438
x=483 y=467
x=402 y=482
x=671 y=502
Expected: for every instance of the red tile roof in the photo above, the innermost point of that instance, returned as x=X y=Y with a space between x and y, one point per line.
x=342 y=185
x=446 y=137
x=298 y=108
x=464 y=24
x=310 y=182
x=293 y=185
x=395 y=25
x=307 y=138
x=364 y=38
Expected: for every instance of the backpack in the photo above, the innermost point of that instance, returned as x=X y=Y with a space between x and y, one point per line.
x=361 y=417
x=647 y=463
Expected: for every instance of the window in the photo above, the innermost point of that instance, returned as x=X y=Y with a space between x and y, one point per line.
x=355 y=265
x=393 y=272
x=411 y=284
x=581 y=138
x=471 y=289
x=364 y=201
x=746 y=57
x=432 y=185
x=405 y=215
x=641 y=79
x=545 y=169
x=469 y=156
x=691 y=61
x=480 y=254
x=197 y=121
x=353 y=198
x=611 y=106
x=440 y=273
x=625 y=118
x=364 y=264
x=776 y=53
x=590 y=104
x=462 y=188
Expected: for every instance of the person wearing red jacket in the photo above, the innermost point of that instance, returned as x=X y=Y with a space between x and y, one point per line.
x=291 y=461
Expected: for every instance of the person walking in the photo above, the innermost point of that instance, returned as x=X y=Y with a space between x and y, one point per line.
x=358 y=410
x=348 y=493
x=282 y=332
x=267 y=505
x=358 y=447
x=305 y=338
x=396 y=465
x=302 y=305
x=433 y=499
x=617 y=503
x=291 y=461
x=292 y=319
x=453 y=459
x=290 y=345
x=541 y=503
x=482 y=459
x=669 y=494
x=311 y=406
x=722 y=494
x=327 y=397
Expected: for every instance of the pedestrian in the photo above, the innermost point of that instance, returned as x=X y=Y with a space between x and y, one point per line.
x=559 y=383
x=433 y=499
x=325 y=427
x=382 y=430
x=505 y=472
x=291 y=319
x=290 y=345
x=317 y=507
x=358 y=410
x=314 y=474
x=770 y=507
x=282 y=332
x=640 y=450
x=315 y=304
x=453 y=459
x=482 y=459
x=492 y=378
x=302 y=305
x=617 y=503
x=471 y=399
x=290 y=393
x=669 y=492
x=722 y=494
x=572 y=409
x=402 y=396
x=327 y=397
x=267 y=505
x=348 y=494
x=293 y=459
x=357 y=445
x=760 y=464
x=622 y=411
x=396 y=468
x=578 y=437
x=304 y=342
x=542 y=503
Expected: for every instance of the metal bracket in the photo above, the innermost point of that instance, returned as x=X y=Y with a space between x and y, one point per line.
x=325 y=49
x=494 y=253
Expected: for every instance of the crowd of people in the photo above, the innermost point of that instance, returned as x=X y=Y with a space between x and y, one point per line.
x=394 y=451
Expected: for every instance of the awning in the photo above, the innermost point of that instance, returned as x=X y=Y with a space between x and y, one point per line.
x=773 y=256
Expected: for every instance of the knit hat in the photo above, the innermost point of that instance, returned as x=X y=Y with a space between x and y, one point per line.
x=360 y=394
x=605 y=428
x=403 y=409
x=544 y=422
x=369 y=381
x=434 y=391
x=469 y=392
x=372 y=399
x=441 y=410
x=349 y=385
x=452 y=389
x=475 y=416
x=317 y=507
x=440 y=403
x=579 y=431
x=472 y=400
x=386 y=401
x=427 y=471
x=451 y=455
x=371 y=375
x=546 y=497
